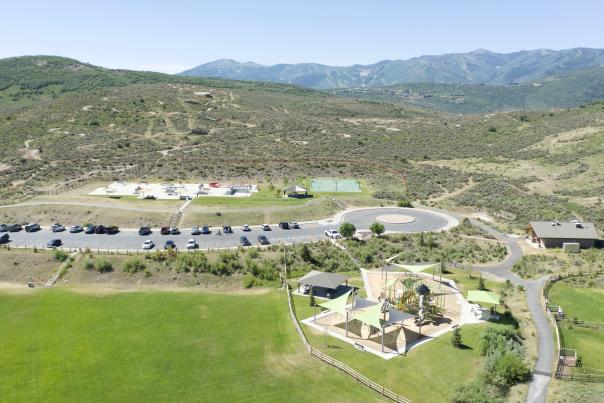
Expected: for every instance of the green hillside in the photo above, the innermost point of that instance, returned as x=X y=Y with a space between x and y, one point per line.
x=89 y=123
x=565 y=91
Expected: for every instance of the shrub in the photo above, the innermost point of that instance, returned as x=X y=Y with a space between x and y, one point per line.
x=134 y=265
x=377 y=228
x=404 y=203
x=103 y=266
x=60 y=255
x=248 y=281
x=475 y=392
x=510 y=369
x=347 y=230
x=456 y=338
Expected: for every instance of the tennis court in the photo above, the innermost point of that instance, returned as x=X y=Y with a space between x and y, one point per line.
x=335 y=185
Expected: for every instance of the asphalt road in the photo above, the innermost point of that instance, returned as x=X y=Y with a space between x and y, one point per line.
x=309 y=232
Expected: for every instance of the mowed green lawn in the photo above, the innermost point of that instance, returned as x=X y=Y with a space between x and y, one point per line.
x=584 y=304
x=62 y=346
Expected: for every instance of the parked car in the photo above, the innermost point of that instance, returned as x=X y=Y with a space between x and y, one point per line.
x=170 y=244
x=294 y=225
x=174 y=231
x=263 y=240
x=265 y=227
x=57 y=227
x=74 y=229
x=100 y=229
x=245 y=228
x=112 y=230
x=284 y=225
x=14 y=228
x=3 y=228
x=243 y=241
x=32 y=228
x=191 y=244
x=195 y=231
x=54 y=243
x=144 y=231
x=4 y=238
x=148 y=244
x=227 y=229
x=206 y=230
x=333 y=234
x=165 y=231
x=90 y=229
x=150 y=197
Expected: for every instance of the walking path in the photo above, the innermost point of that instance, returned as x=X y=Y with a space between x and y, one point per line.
x=542 y=373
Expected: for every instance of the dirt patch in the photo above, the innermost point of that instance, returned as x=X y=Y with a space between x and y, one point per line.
x=30 y=153
x=4 y=167
x=564 y=138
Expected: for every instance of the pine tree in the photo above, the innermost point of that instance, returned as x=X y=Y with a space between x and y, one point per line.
x=481 y=285
x=456 y=338
x=312 y=301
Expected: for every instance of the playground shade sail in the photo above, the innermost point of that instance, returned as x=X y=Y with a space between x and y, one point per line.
x=486 y=297
x=337 y=304
x=416 y=268
x=370 y=316
x=335 y=185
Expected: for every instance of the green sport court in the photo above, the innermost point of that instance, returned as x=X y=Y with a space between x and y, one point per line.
x=335 y=185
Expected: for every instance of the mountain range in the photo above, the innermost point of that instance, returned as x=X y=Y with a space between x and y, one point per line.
x=476 y=67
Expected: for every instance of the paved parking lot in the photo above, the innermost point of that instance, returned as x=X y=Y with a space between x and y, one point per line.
x=309 y=232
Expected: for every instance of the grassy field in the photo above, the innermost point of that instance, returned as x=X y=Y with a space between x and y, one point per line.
x=584 y=303
x=59 y=345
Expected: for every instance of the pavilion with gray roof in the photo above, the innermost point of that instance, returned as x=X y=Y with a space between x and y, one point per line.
x=325 y=284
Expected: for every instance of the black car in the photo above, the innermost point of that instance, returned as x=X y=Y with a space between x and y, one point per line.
x=263 y=240
x=90 y=229
x=170 y=244
x=100 y=229
x=164 y=230
x=4 y=238
x=54 y=243
x=112 y=230
x=205 y=230
x=15 y=228
x=3 y=227
x=243 y=241
x=144 y=231
x=284 y=225
x=227 y=229
x=32 y=228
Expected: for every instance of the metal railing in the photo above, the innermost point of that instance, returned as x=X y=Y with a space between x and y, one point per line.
x=332 y=361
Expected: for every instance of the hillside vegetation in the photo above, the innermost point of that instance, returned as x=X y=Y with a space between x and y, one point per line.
x=88 y=123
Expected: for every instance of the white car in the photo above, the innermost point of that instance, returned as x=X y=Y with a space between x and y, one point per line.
x=333 y=234
x=245 y=227
x=148 y=244
x=294 y=225
x=191 y=244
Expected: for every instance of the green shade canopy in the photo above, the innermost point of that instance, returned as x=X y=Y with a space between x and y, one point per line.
x=337 y=304
x=371 y=315
x=486 y=297
x=416 y=268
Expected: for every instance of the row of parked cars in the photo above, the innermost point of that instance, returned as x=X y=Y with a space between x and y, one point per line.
x=206 y=230
x=89 y=229
x=192 y=243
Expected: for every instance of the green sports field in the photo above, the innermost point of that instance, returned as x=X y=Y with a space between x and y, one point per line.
x=63 y=346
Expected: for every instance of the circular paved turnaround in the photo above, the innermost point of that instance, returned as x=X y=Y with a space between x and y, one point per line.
x=395 y=218
x=422 y=220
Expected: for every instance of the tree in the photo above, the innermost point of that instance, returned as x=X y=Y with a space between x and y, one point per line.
x=311 y=300
x=377 y=228
x=347 y=230
x=510 y=369
x=481 y=285
x=456 y=338
x=305 y=253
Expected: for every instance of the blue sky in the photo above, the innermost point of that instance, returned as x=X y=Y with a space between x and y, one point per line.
x=171 y=36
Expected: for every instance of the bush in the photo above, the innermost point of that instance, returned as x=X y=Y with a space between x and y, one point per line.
x=60 y=255
x=248 y=281
x=103 y=266
x=475 y=392
x=134 y=265
x=377 y=228
x=404 y=203
x=347 y=230
x=510 y=369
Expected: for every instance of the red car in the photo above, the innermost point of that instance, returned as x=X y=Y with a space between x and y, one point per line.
x=165 y=231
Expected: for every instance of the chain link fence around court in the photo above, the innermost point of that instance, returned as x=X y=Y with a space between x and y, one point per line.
x=335 y=185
